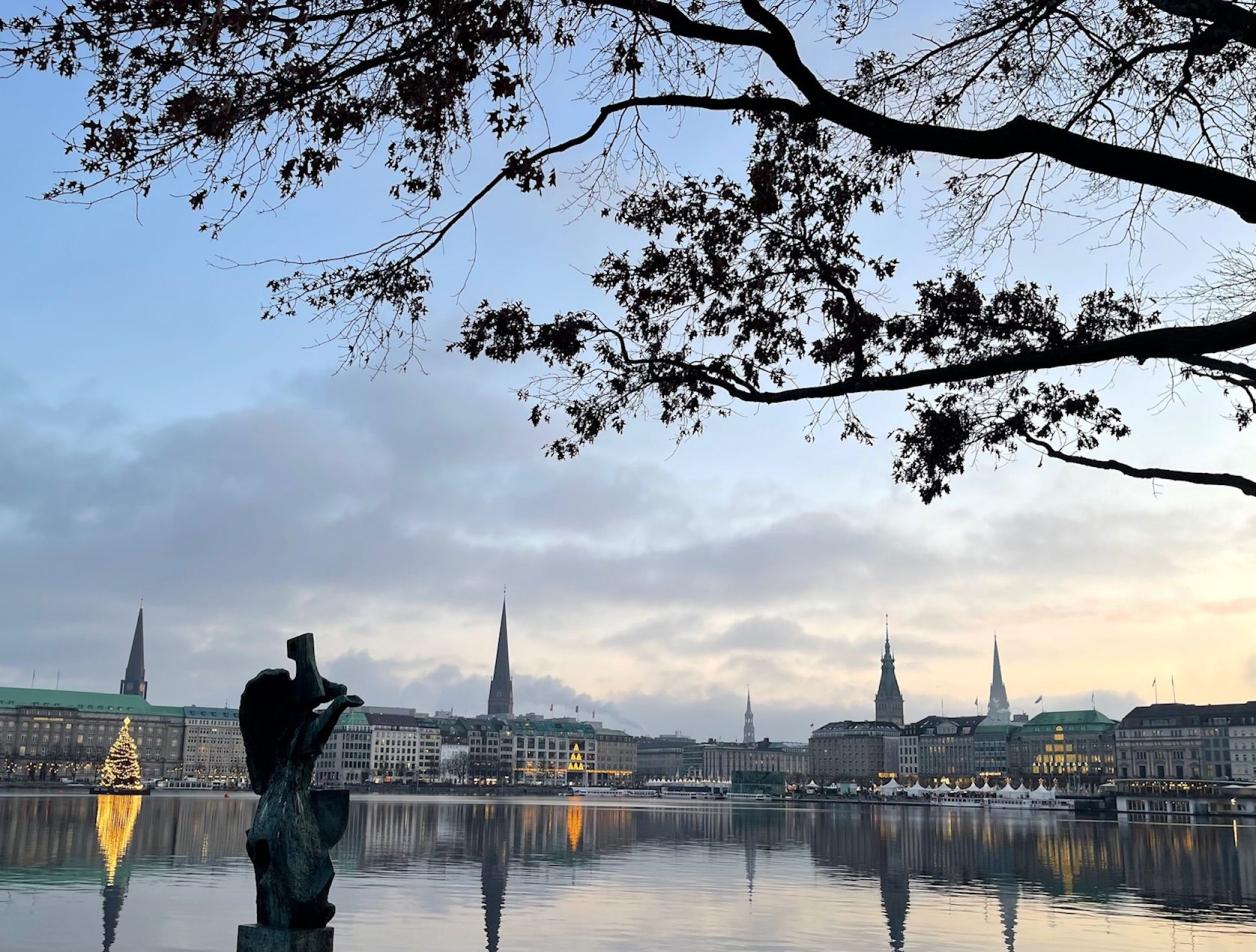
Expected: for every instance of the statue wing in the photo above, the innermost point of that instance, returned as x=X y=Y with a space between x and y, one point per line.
x=268 y=712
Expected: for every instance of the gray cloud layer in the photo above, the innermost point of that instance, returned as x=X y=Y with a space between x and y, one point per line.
x=386 y=514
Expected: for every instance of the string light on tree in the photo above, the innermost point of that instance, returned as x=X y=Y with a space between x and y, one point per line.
x=121 y=769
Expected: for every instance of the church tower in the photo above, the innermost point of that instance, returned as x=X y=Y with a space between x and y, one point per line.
x=889 y=698
x=133 y=681
x=747 y=733
x=998 y=711
x=501 y=693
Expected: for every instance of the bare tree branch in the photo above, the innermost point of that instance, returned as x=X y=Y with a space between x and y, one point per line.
x=1241 y=483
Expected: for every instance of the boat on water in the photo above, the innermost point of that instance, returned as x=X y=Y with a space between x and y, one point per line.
x=690 y=789
x=618 y=793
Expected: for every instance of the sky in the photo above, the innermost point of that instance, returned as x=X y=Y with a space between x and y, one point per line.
x=158 y=441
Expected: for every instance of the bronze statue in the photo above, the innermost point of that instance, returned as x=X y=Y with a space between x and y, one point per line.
x=294 y=827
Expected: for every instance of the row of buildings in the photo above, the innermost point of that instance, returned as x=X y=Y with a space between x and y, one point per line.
x=53 y=734
x=1071 y=748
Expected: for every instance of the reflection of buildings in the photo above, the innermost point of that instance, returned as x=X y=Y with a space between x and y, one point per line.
x=115 y=825
x=1009 y=896
x=907 y=854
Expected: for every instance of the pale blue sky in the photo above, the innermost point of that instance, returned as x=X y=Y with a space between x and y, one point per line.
x=161 y=441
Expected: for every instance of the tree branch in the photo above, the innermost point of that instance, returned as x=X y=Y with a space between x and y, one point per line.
x=1172 y=343
x=1018 y=136
x=1242 y=484
x=1239 y=23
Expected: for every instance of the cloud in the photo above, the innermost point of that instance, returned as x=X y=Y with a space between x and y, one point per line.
x=386 y=521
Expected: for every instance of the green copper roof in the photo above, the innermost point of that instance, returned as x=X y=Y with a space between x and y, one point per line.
x=90 y=701
x=1072 y=720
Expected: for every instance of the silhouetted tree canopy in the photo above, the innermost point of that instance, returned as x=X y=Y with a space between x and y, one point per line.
x=748 y=287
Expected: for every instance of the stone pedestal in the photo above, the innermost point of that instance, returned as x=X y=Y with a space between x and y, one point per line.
x=255 y=938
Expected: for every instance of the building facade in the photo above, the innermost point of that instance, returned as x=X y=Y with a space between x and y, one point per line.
x=616 y=758
x=404 y=747
x=945 y=747
x=1181 y=741
x=1243 y=748
x=553 y=752
x=49 y=734
x=490 y=750
x=1066 y=748
x=860 y=751
x=716 y=760
x=213 y=747
x=990 y=746
x=662 y=757
x=346 y=757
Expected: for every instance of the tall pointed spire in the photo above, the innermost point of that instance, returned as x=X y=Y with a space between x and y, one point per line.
x=133 y=681
x=747 y=733
x=998 y=711
x=501 y=693
x=889 y=699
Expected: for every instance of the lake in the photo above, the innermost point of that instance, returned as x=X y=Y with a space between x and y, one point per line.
x=169 y=872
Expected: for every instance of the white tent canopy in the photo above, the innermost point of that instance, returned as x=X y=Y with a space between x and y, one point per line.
x=943 y=787
x=1007 y=791
x=1042 y=792
x=916 y=790
x=890 y=787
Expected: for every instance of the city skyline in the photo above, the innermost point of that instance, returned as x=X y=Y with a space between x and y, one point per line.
x=995 y=707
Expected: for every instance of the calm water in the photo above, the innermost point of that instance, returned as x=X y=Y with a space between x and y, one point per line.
x=169 y=872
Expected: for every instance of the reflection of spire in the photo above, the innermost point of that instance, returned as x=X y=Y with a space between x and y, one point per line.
x=749 y=842
x=115 y=825
x=1009 y=894
x=998 y=710
x=894 y=882
x=493 y=879
x=747 y=734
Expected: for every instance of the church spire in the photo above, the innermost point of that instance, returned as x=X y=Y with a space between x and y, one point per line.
x=747 y=734
x=889 y=699
x=501 y=694
x=998 y=710
x=133 y=681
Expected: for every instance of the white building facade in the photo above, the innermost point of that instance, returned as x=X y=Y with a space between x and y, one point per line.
x=213 y=747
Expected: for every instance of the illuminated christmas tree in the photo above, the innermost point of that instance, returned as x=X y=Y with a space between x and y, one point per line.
x=121 y=769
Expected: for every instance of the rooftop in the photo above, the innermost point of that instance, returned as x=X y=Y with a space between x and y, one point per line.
x=213 y=713
x=91 y=701
x=1048 y=721
x=879 y=727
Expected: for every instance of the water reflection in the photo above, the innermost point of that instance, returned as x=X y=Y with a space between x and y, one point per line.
x=910 y=857
x=115 y=825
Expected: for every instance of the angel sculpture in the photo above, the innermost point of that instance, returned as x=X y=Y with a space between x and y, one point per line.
x=294 y=827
